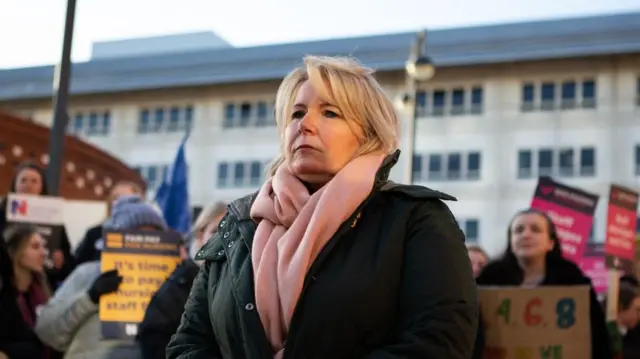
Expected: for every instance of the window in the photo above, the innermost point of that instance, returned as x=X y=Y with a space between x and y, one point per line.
x=589 y=94
x=223 y=174
x=416 y=168
x=256 y=173
x=566 y=162
x=421 y=103
x=528 y=97
x=188 y=117
x=473 y=165
x=637 y=162
x=457 y=101
x=568 y=95
x=439 y=99
x=238 y=174
x=106 y=123
x=91 y=123
x=454 y=166
x=471 y=229
x=435 y=167
x=525 y=164
x=144 y=123
x=547 y=95
x=545 y=162
x=78 y=123
x=245 y=114
x=476 y=100
x=174 y=119
x=229 y=115
x=159 y=119
x=262 y=114
x=588 y=161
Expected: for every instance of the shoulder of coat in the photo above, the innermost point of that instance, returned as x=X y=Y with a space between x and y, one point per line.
x=415 y=191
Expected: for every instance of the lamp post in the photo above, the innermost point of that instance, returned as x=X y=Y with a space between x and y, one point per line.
x=419 y=68
x=61 y=78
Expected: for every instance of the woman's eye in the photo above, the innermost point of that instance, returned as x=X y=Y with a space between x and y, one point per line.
x=297 y=115
x=330 y=114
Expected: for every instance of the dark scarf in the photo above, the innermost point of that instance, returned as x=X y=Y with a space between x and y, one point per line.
x=29 y=301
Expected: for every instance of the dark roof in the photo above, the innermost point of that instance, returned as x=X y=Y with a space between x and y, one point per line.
x=537 y=40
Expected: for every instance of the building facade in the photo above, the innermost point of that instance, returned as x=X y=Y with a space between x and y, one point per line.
x=508 y=103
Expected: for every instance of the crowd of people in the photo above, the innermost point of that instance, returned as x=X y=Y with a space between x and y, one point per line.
x=51 y=311
x=329 y=259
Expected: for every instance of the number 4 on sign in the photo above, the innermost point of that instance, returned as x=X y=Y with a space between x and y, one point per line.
x=504 y=309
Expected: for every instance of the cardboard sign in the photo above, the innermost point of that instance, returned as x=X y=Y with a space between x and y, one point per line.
x=571 y=210
x=145 y=260
x=619 y=245
x=45 y=213
x=537 y=323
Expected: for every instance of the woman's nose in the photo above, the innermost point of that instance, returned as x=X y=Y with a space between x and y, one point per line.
x=308 y=123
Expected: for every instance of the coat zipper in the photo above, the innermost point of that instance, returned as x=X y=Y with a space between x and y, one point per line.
x=346 y=226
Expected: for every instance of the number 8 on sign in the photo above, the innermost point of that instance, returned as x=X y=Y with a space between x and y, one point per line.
x=565 y=310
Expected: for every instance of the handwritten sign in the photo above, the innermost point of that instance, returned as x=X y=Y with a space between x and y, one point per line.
x=538 y=323
x=145 y=260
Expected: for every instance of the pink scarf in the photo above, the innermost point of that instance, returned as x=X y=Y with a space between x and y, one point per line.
x=293 y=227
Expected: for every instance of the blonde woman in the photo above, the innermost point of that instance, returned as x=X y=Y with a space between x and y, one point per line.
x=330 y=259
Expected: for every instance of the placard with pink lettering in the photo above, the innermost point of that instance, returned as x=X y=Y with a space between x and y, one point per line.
x=571 y=210
x=619 y=244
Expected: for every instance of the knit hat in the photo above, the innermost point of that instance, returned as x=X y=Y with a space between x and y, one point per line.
x=131 y=212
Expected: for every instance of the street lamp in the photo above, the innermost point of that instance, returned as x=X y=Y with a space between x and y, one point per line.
x=419 y=68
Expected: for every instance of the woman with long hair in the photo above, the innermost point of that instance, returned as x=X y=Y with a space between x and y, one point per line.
x=23 y=292
x=330 y=259
x=534 y=258
x=29 y=178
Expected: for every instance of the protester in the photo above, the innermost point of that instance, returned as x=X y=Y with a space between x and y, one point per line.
x=534 y=258
x=91 y=245
x=162 y=318
x=478 y=257
x=372 y=268
x=70 y=321
x=22 y=291
x=479 y=260
x=206 y=225
x=29 y=178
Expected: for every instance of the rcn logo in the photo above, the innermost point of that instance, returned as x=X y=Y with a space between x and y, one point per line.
x=19 y=207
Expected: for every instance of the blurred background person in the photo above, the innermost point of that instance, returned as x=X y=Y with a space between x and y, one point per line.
x=70 y=321
x=534 y=258
x=90 y=247
x=22 y=292
x=478 y=258
x=29 y=178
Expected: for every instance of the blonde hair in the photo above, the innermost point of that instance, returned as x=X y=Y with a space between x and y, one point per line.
x=204 y=219
x=209 y=214
x=351 y=87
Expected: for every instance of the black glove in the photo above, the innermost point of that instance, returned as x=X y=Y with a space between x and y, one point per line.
x=107 y=282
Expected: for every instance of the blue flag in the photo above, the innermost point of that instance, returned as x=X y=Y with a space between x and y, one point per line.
x=173 y=194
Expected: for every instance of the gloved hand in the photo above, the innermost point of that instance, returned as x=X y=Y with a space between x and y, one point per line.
x=107 y=282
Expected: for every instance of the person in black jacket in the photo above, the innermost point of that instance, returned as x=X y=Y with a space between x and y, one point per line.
x=90 y=247
x=534 y=258
x=162 y=317
x=330 y=259
x=29 y=178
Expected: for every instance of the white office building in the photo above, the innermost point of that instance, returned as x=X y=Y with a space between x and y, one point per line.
x=508 y=103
